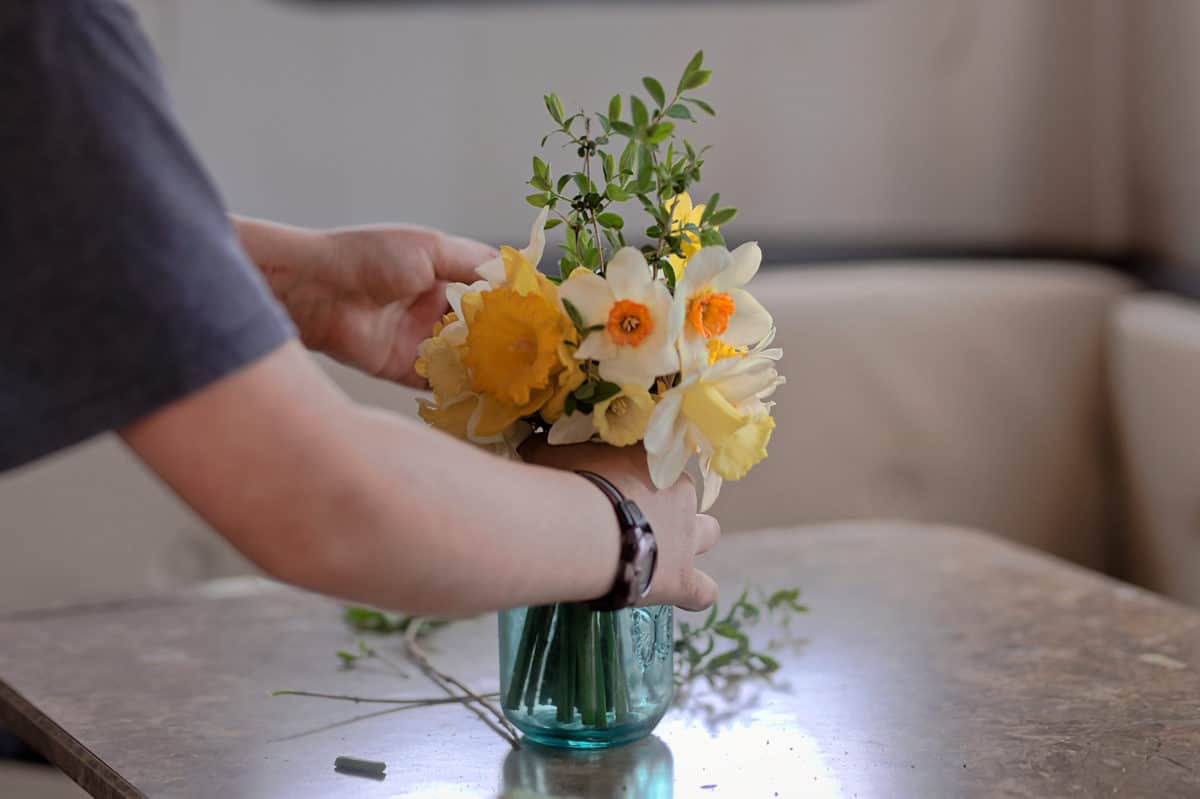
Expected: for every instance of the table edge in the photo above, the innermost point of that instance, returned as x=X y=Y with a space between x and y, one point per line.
x=59 y=747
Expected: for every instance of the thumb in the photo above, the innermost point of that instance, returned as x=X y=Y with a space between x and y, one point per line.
x=457 y=257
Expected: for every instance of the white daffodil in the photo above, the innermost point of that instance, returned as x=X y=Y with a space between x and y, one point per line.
x=718 y=412
x=629 y=316
x=714 y=315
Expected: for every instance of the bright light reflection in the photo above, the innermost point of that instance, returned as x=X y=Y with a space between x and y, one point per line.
x=767 y=756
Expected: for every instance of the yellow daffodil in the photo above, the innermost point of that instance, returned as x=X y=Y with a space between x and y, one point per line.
x=628 y=314
x=622 y=420
x=712 y=305
x=684 y=214
x=719 y=413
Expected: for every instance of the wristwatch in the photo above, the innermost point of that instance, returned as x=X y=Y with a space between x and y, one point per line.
x=639 y=550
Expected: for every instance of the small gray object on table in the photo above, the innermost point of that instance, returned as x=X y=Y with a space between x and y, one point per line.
x=936 y=662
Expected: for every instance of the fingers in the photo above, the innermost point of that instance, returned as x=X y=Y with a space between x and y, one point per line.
x=457 y=258
x=699 y=591
x=707 y=531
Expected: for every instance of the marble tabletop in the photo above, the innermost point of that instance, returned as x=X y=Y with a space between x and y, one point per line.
x=935 y=662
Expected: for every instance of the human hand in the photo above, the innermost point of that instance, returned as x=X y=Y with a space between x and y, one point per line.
x=366 y=296
x=680 y=532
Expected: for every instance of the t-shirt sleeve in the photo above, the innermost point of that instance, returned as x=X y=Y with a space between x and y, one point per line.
x=122 y=283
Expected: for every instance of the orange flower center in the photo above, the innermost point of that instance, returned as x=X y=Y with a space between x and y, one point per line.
x=629 y=323
x=709 y=313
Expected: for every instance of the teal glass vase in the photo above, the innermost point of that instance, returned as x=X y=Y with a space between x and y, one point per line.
x=586 y=679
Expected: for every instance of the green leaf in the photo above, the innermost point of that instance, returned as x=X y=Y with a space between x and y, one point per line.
x=770 y=664
x=615 y=193
x=669 y=272
x=680 y=111
x=608 y=164
x=710 y=207
x=604 y=390
x=554 y=107
x=540 y=168
x=722 y=216
x=628 y=157
x=697 y=79
x=569 y=405
x=538 y=200
x=611 y=220
x=691 y=68
x=624 y=128
x=703 y=106
x=660 y=132
x=656 y=90
x=711 y=237
x=348 y=658
x=585 y=391
x=540 y=183
x=604 y=123
x=552 y=223
x=582 y=182
x=614 y=108
x=562 y=182
x=573 y=313
x=640 y=117
x=730 y=631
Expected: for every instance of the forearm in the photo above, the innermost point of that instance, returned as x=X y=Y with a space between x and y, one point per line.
x=457 y=530
x=372 y=507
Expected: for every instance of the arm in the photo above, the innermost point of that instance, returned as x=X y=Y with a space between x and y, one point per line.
x=335 y=498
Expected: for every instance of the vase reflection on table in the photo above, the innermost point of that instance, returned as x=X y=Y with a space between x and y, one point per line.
x=645 y=770
x=579 y=678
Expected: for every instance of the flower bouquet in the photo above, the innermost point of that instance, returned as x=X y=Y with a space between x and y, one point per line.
x=658 y=344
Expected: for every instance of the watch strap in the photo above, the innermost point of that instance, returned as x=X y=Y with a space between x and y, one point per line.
x=634 y=528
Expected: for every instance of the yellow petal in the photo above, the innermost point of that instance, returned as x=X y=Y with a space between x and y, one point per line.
x=495 y=416
x=451 y=419
x=738 y=440
x=520 y=275
x=622 y=420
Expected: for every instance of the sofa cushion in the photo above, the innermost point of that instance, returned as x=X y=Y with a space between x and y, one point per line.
x=1156 y=388
x=964 y=392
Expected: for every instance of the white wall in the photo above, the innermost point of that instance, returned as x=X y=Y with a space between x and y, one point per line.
x=930 y=120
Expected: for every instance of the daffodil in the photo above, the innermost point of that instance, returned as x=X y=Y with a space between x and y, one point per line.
x=717 y=412
x=621 y=420
x=711 y=305
x=683 y=213
x=628 y=316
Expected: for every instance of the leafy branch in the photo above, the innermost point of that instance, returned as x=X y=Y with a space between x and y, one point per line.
x=701 y=650
x=644 y=172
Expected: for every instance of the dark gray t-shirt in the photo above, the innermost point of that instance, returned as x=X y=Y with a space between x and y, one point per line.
x=122 y=284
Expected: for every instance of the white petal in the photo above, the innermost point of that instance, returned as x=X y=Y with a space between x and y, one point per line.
x=662 y=422
x=492 y=272
x=597 y=347
x=665 y=467
x=702 y=268
x=590 y=295
x=537 y=238
x=628 y=273
x=572 y=428
x=750 y=322
x=746 y=260
x=627 y=368
x=455 y=333
x=743 y=386
x=712 y=487
x=693 y=352
x=455 y=292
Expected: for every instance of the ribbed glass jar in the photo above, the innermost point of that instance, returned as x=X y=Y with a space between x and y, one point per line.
x=586 y=679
